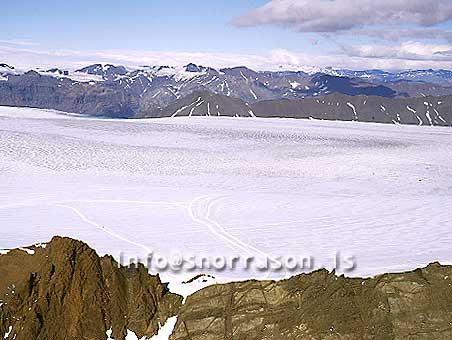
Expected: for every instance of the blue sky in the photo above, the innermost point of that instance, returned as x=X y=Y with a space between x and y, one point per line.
x=260 y=33
x=139 y=24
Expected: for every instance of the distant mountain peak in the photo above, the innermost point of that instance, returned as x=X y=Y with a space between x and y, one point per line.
x=105 y=70
x=193 y=68
x=3 y=65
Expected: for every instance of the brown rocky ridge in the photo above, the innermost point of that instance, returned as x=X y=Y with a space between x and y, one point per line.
x=322 y=305
x=64 y=290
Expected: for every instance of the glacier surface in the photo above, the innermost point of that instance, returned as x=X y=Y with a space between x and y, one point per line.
x=229 y=186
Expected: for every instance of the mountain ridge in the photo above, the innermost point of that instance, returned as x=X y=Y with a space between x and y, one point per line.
x=160 y=91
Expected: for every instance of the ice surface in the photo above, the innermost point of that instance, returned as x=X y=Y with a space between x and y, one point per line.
x=229 y=186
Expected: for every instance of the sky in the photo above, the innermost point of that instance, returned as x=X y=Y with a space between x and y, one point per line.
x=260 y=34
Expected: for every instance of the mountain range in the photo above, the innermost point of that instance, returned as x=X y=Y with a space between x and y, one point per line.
x=421 y=97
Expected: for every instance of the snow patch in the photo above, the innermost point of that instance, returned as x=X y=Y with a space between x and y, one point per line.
x=10 y=329
x=132 y=336
x=254 y=94
x=166 y=330
x=295 y=84
x=411 y=109
x=28 y=251
x=350 y=105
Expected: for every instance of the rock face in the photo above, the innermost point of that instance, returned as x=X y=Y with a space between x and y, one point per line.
x=419 y=111
x=64 y=290
x=35 y=90
x=320 y=305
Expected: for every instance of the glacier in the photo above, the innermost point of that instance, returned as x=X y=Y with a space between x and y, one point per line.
x=228 y=186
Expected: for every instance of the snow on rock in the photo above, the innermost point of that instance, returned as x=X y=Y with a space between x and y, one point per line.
x=253 y=94
x=350 y=105
x=295 y=85
x=10 y=329
x=132 y=336
x=77 y=76
x=177 y=73
x=166 y=330
x=415 y=113
x=28 y=251
x=411 y=109
x=187 y=288
x=427 y=113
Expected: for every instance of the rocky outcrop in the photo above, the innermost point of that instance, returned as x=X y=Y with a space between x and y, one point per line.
x=64 y=290
x=321 y=305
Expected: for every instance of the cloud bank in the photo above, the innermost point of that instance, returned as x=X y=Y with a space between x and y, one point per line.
x=343 y=15
x=407 y=55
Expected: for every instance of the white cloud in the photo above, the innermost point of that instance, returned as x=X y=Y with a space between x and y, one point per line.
x=29 y=58
x=400 y=34
x=408 y=55
x=340 y=15
x=409 y=51
x=24 y=42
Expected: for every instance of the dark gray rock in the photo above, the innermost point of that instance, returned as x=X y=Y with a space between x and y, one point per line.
x=420 y=111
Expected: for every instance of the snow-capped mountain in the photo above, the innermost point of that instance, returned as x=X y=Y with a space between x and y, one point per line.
x=106 y=71
x=162 y=90
x=6 y=70
x=164 y=84
x=441 y=77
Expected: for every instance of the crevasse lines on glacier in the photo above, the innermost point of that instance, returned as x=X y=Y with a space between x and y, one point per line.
x=64 y=204
x=205 y=204
x=106 y=230
x=194 y=209
x=103 y=228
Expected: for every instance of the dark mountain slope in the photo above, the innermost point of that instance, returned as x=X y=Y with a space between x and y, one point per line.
x=35 y=90
x=205 y=103
x=421 y=111
x=352 y=87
